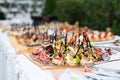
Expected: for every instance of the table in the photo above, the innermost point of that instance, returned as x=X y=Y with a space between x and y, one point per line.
x=18 y=67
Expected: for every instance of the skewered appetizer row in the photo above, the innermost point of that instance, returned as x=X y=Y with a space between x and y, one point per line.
x=71 y=53
x=94 y=35
x=38 y=35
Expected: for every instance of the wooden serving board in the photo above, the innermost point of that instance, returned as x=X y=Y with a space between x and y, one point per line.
x=54 y=67
x=57 y=71
x=20 y=49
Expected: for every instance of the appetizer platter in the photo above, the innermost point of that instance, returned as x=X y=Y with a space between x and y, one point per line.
x=73 y=54
x=95 y=36
x=27 y=36
x=25 y=39
x=32 y=36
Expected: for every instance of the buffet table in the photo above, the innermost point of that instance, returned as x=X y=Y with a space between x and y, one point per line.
x=18 y=67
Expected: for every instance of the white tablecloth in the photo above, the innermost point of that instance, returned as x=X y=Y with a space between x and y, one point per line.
x=18 y=67
x=7 y=56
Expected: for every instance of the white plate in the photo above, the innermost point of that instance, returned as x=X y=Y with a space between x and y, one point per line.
x=105 y=42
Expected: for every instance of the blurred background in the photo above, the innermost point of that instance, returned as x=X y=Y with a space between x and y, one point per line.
x=96 y=14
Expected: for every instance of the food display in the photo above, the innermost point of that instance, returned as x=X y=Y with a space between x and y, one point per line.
x=31 y=36
x=60 y=46
x=34 y=36
x=70 y=53
x=95 y=35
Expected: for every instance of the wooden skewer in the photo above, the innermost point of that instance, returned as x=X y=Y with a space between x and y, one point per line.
x=91 y=48
x=66 y=41
x=61 y=45
x=83 y=50
x=55 y=36
x=43 y=38
x=78 y=48
x=89 y=43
